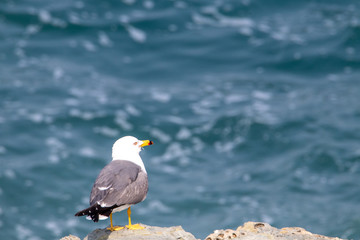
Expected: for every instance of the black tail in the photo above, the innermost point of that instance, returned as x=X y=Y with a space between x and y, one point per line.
x=94 y=211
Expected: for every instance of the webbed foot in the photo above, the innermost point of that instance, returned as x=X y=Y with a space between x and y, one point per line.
x=135 y=226
x=116 y=228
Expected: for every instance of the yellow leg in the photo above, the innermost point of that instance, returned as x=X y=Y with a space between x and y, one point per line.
x=130 y=226
x=112 y=228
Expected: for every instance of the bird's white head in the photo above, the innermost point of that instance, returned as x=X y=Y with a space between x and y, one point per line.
x=128 y=148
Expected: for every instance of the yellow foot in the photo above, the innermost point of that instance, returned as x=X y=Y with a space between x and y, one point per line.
x=116 y=228
x=135 y=227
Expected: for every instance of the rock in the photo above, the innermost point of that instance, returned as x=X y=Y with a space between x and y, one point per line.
x=70 y=237
x=249 y=231
x=264 y=231
x=149 y=233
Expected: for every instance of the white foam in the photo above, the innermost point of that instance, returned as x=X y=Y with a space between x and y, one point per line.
x=25 y=233
x=200 y=189
x=262 y=95
x=234 y=98
x=198 y=145
x=173 y=152
x=228 y=146
x=74 y=18
x=2 y=150
x=89 y=46
x=44 y=16
x=175 y=119
x=184 y=133
x=85 y=201
x=58 y=23
x=9 y=173
x=280 y=36
x=57 y=149
x=201 y=110
x=87 y=152
x=264 y=27
x=163 y=137
x=58 y=73
x=132 y=110
x=72 y=102
x=251 y=202
x=136 y=34
x=129 y=2
x=202 y=20
x=32 y=29
x=246 y=177
x=77 y=92
x=236 y=22
x=180 y=4
x=217 y=19
x=83 y=115
x=53 y=227
x=104 y=39
x=161 y=96
x=106 y=131
x=261 y=107
x=246 y=31
x=101 y=98
x=123 y=123
x=53 y=158
x=36 y=117
x=169 y=170
x=221 y=201
x=71 y=222
x=157 y=205
x=148 y=4
x=297 y=39
x=124 y=19
x=54 y=142
x=21 y=54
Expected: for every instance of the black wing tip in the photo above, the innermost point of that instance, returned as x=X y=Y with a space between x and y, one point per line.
x=92 y=211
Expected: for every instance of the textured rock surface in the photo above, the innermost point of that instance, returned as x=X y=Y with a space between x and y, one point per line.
x=149 y=233
x=70 y=237
x=249 y=231
x=263 y=231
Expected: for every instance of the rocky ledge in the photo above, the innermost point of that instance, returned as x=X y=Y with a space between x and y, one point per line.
x=148 y=233
x=249 y=231
x=264 y=231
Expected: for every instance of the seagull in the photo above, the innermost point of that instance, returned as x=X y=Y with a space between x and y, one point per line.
x=120 y=184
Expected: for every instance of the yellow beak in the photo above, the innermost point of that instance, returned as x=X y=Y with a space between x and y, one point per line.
x=146 y=143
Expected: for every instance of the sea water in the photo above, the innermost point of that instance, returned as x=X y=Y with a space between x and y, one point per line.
x=253 y=106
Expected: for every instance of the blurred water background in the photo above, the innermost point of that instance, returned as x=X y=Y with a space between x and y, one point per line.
x=253 y=105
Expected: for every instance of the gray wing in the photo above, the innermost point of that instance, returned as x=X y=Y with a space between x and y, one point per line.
x=120 y=182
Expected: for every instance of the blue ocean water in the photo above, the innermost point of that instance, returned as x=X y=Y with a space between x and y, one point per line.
x=253 y=105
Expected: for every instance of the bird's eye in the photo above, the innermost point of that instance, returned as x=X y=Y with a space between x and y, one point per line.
x=135 y=143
